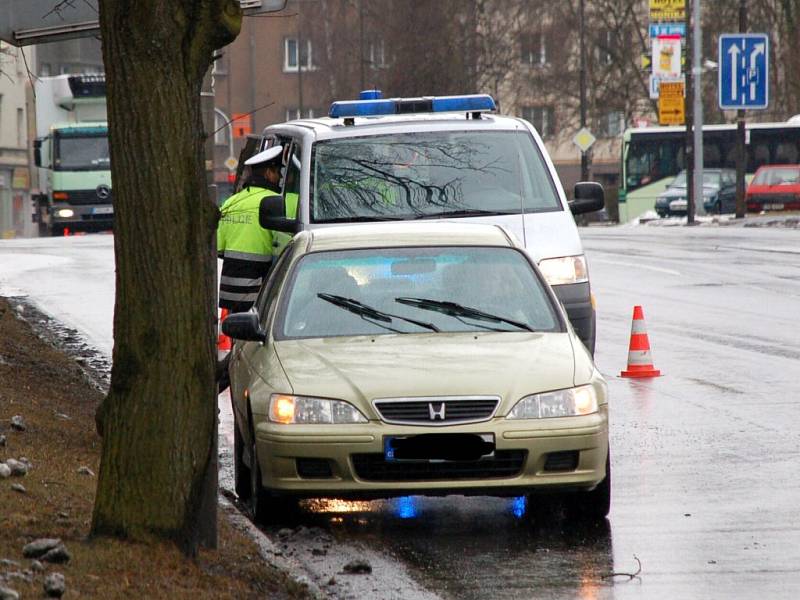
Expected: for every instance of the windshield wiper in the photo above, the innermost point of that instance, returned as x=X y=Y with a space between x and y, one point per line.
x=470 y=212
x=364 y=219
x=367 y=312
x=457 y=310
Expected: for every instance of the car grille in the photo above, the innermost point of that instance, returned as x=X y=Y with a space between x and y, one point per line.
x=79 y=197
x=504 y=464
x=437 y=411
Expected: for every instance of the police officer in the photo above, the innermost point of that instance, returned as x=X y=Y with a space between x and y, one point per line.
x=245 y=247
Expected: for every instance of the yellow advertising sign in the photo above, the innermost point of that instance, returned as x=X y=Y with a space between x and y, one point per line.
x=667 y=10
x=671 y=103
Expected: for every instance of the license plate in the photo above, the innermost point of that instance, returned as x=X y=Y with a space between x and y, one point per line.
x=103 y=210
x=773 y=207
x=438 y=447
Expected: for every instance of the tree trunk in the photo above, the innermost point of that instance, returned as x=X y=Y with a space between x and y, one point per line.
x=158 y=420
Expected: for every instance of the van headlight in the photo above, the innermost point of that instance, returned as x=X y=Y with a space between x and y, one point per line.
x=572 y=402
x=65 y=213
x=567 y=269
x=304 y=410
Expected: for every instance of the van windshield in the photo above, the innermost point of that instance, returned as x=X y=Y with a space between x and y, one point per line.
x=429 y=175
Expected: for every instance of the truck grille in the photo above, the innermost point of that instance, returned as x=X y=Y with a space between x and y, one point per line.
x=436 y=411
x=80 y=197
x=504 y=464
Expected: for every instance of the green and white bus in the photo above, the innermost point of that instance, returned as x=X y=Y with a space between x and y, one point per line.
x=652 y=156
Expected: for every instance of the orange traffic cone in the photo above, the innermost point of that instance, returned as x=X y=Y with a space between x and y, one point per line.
x=640 y=363
x=223 y=341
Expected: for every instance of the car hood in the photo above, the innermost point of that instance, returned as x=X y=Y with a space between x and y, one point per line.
x=360 y=369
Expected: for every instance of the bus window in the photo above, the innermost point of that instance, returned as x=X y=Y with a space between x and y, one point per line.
x=786 y=153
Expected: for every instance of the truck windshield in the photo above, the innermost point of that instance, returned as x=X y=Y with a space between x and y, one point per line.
x=428 y=175
x=82 y=153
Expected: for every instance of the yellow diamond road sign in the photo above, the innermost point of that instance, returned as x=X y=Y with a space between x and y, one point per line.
x=584 y=139
x=231 y=163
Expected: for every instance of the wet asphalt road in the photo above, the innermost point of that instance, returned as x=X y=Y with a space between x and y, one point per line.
x=705 y=458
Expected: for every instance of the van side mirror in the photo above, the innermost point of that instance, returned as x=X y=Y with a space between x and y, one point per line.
x=244 y=326
x=272 y=215
x=589 y=197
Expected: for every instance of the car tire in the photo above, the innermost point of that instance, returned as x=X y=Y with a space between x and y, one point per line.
x=258 y=500
x=594 y=505
x=266 y=509
x=241 y=472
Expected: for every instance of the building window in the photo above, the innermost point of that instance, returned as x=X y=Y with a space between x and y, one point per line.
x=533 y=48
x=377 y=54
x=291 y=60
x=20 y=127
x=605 y=47
x=308 y=113
x=221 y=130
x=543 y=118
x=611 y=124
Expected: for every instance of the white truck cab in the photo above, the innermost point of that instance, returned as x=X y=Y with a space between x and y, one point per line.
x=438 y=158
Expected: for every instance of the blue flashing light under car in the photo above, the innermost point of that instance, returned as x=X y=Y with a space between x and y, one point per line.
x=400 y=106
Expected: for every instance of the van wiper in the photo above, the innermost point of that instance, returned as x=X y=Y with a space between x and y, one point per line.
x=453 y=309
x=365 y=219
x=372 y=314
x=471 y=212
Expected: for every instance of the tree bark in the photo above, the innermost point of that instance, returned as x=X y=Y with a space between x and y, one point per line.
x=158 y=420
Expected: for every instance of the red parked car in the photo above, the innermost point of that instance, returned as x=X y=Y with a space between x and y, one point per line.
x=774 y=187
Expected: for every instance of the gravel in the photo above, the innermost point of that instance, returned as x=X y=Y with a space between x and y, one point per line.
x=40 y=547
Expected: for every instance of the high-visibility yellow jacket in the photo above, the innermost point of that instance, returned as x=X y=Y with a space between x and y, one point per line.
x=245 y=247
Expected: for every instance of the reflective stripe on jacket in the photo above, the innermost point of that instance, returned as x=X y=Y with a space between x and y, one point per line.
x=245 y=248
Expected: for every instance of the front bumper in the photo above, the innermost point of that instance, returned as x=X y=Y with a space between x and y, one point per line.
x=354 y=454
x=89 y=217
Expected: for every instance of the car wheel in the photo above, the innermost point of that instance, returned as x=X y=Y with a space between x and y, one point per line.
x=258 y=500
x=241 y=472
x=265 y=508
x=594 y=505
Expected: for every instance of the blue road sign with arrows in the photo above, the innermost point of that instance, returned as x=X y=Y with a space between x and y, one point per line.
x=743 y=71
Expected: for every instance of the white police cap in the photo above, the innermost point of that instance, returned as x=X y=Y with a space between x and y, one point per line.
x=265 y=156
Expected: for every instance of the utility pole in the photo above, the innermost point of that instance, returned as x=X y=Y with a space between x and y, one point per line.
x=361 y=42
x=584 y=157
x=741 y=150
x=689 y=106
x=697 y=72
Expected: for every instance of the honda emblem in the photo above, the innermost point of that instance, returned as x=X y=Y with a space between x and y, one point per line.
x=436 y=414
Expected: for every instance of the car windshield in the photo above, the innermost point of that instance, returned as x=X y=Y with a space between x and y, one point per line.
x=710 y=178
x=82 y=153
x=414 y=290
x=429 y=174
x=777 y=176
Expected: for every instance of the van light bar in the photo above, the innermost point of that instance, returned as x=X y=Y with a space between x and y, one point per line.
x=405 y=106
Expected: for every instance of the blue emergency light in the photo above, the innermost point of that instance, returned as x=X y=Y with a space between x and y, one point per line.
x=377 y=107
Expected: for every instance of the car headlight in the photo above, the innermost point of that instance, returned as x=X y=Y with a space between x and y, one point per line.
x=287 y=409
x=65 y=213
x=567 y=269
x=573 y=402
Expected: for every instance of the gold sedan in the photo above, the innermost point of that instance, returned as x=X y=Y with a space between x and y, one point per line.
x=392 y=359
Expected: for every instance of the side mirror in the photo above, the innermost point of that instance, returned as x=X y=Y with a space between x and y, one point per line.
x=272 y=215
x=244 y=326
x=589 y=197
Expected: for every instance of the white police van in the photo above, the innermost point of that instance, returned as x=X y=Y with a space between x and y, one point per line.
x=441 y=158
